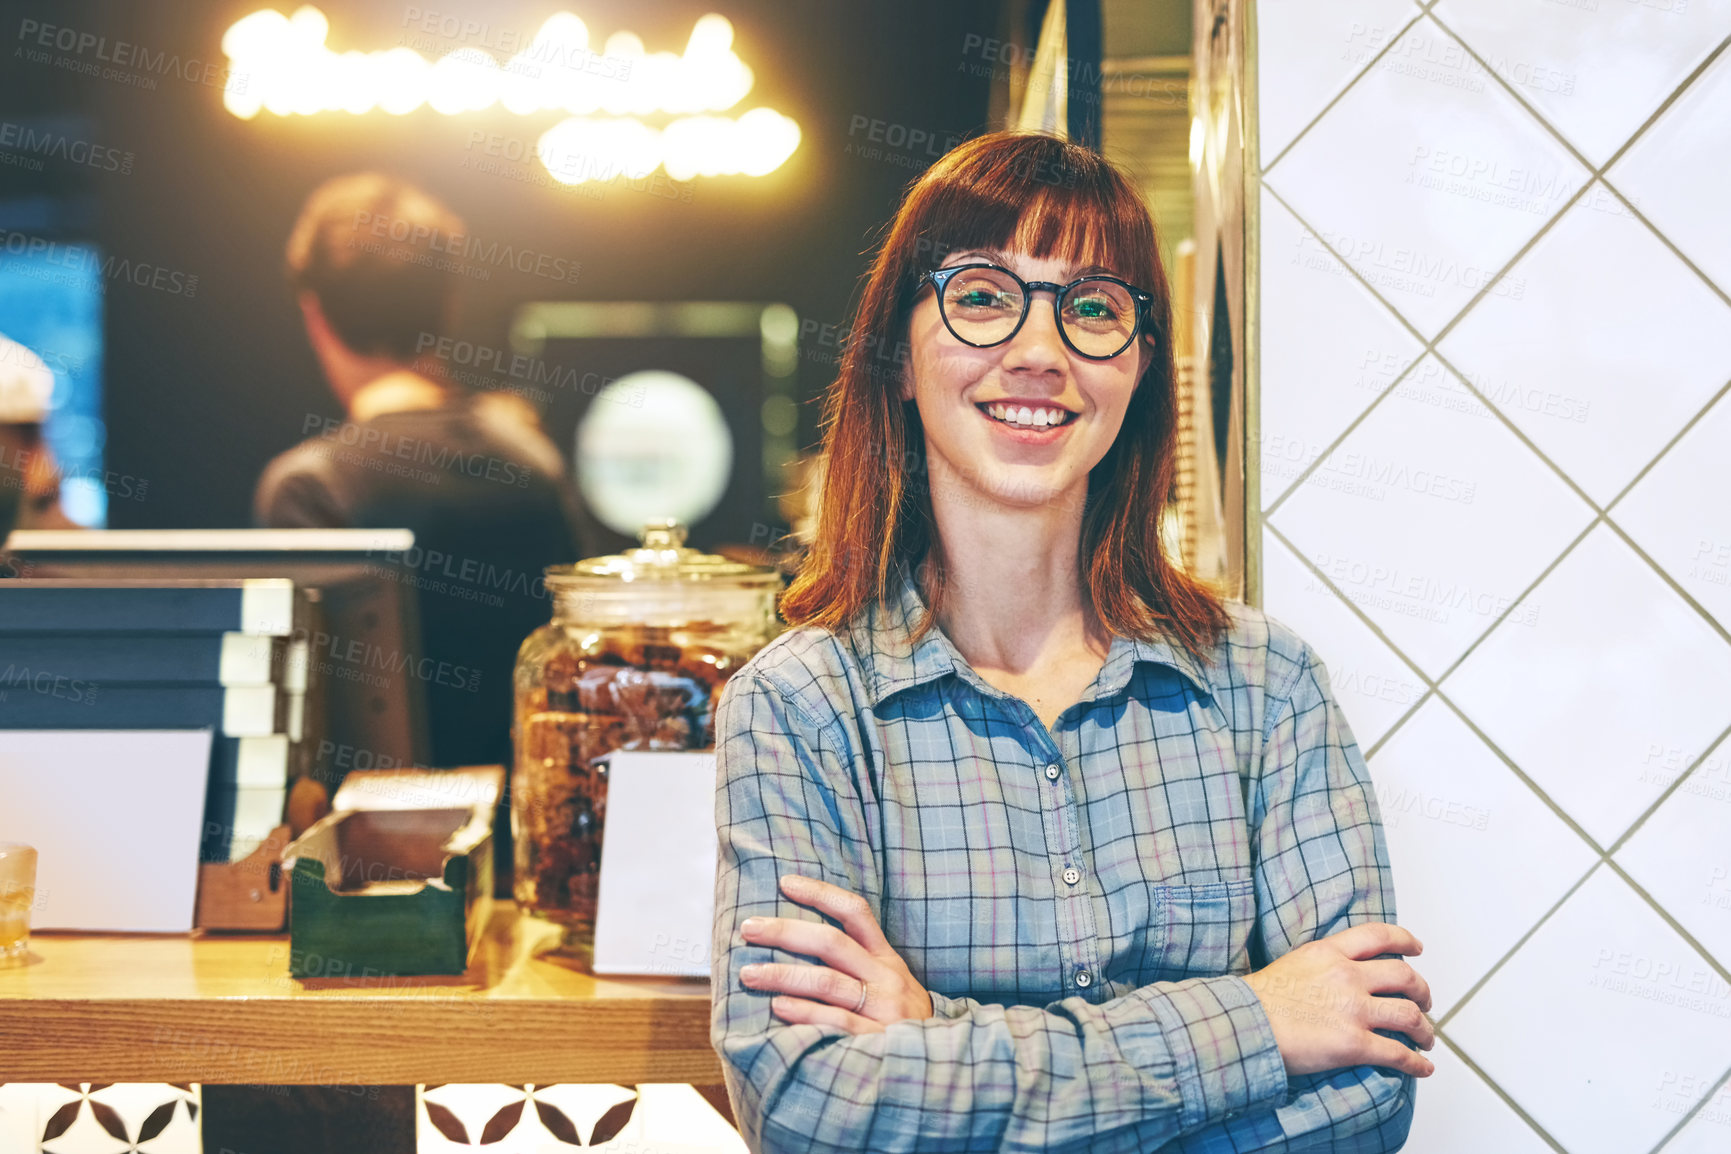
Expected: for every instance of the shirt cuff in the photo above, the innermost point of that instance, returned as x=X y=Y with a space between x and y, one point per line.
x=1227 y=1059
x=952 y=1008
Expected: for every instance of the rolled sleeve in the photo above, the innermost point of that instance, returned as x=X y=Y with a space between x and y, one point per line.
x=1322 y=866
x=1222 y=1044
x=1129 y=1074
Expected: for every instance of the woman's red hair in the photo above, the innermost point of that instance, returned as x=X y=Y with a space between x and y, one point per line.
x=1047 y=197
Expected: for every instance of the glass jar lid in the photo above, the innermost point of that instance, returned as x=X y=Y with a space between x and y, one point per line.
x=664 y=557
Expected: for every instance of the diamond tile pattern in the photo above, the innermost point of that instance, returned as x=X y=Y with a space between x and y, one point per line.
x=1432 y=517
x=1663 y=855
x=1678 y=170
x=1668 y=518
x=1612 y=346
x=1595 y=1017
x=1600 y=690
x=1374 y=686
x=1445 y=796
x=1308 y=56
x=1440 y=527
x=1329 y=348
x=1709 y=1131
x=1427 y=177
x=1595 y=71
x=1479 y=1120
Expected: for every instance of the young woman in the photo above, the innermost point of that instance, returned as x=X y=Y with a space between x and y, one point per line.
x=1029 y=842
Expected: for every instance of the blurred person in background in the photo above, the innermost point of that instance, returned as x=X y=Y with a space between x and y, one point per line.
x=471 y=473
x=29 y=481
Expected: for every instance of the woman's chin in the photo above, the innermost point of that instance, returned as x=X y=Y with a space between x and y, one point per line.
x=1010 y=492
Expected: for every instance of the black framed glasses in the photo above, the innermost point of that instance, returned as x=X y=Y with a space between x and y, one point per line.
x=985 y=305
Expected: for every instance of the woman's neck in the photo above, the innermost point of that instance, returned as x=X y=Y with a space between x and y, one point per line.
x=1013 y=597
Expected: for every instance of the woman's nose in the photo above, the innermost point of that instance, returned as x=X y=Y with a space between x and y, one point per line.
x=1038 y=346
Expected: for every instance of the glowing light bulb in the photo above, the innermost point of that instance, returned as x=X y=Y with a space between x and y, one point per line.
x=289 y=70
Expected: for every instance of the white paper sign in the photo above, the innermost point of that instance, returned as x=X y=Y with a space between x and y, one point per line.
x=115 y=817
x=656 y=905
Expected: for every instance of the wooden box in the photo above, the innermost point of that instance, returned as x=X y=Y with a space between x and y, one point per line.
x=398 y=878
x=248 y=894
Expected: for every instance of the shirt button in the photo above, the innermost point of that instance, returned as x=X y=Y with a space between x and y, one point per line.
x=1072 y=876
x=1052 y=773
x=1084 y=978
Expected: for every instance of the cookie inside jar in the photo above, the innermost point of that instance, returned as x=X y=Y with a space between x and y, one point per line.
x=635 y=658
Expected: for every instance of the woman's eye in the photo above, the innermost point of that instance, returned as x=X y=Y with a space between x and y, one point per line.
x=978 y=298
x=1093 y=309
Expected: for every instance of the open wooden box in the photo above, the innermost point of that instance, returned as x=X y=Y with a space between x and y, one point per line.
x=398 y=878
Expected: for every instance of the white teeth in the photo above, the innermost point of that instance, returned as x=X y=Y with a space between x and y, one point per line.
x=1023 y=415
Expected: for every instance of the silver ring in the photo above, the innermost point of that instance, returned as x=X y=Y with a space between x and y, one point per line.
x=862 y=998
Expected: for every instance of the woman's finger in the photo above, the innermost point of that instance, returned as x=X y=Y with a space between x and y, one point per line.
x=1394 y=976
x=804 y=1012
x=819 y=983
x=850 y=909
x=813 y=939
x=1390 y=1054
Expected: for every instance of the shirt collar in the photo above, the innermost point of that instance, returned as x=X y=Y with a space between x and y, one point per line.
x=894 y=663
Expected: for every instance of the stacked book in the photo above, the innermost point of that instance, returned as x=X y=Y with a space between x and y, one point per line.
x=224 y=655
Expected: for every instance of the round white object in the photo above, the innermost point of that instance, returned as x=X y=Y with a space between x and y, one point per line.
x=653 y=444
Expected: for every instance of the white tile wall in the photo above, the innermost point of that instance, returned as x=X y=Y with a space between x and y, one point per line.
x=1496 y=477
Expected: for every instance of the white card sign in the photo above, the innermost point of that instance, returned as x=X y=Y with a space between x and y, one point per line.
x=115 y=817
x=656 y=906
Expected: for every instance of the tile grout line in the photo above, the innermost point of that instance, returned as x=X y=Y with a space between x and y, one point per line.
x=1717 y=396
x=1689 y=1115
x=1713 y=963
x=1496 y=412
x=1496 y=1088
x=1484 y=978
x=1428 y=344
x=1683 y=775
x=1712 y=621
x=1434 y=687
x=1603 y=854
x=1598 y=171
x=1601 y=515
x=1351 y=83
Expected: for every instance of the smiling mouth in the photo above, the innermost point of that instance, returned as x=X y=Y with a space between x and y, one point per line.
x=1026 y=416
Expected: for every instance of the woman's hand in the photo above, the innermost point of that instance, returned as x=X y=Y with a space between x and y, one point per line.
x=1324 y=1005
x=863 y=984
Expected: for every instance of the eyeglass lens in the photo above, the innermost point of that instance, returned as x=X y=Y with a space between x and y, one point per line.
x=984 y=305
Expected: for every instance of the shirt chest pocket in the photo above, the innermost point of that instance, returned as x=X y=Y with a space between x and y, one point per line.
x=1203 y=931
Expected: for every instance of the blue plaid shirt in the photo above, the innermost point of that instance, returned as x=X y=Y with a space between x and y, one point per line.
x=1080 y=902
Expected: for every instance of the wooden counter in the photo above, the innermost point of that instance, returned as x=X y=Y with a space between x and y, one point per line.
x=223 y=1009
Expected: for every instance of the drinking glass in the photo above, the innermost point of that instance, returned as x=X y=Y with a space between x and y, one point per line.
x=17 y=895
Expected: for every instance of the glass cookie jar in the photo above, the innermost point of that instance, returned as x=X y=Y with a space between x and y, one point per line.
x=635 y=658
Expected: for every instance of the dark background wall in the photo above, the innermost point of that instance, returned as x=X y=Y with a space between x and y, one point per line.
x=203 y=387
